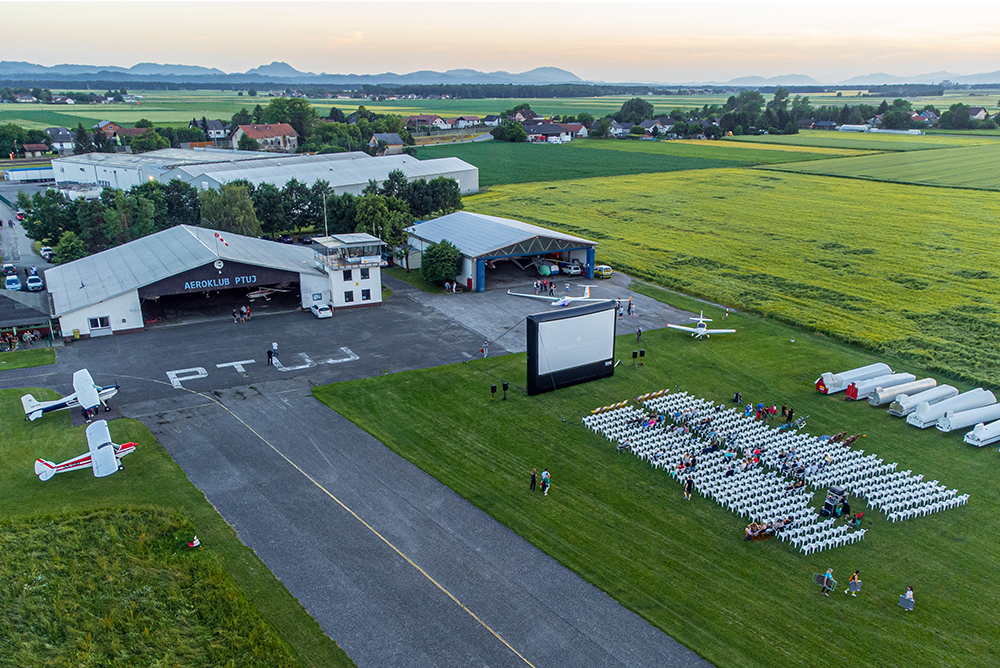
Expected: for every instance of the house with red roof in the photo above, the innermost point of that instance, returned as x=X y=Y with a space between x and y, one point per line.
x=278 y=137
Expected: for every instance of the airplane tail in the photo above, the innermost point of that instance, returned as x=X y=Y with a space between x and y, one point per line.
x=44 y=469
x=32 y=407
x=701 y=318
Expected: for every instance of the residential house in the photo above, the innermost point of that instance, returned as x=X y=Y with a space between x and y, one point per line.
x=824 y=125
x=806 y=123
x=394 y=143
x=975 y=113
x=427 y=121
x=574 y=129
x=661 y=125
x=526 y=116
x=62 y=99
x=216 y=129
x=279 y=137
x=466 y=122
x=620 y=129
x=109 y=128
x=63 y=139
x=492 y=120
x=547 y=132
x=34 y=150
x=25 y=99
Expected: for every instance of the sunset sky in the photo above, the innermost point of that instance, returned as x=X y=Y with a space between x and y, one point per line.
x=599 y=41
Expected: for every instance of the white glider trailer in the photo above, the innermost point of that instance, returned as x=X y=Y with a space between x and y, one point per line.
x=926 y=415
x=883 y=395
x=984 y=434
x=831 y=383
x=955 y=421
x=861 y=389
x=907 y=403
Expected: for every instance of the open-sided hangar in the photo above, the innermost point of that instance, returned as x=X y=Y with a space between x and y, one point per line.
x=484 y=240
x=102 y=294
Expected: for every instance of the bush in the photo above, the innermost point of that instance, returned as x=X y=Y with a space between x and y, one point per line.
x=441 y=262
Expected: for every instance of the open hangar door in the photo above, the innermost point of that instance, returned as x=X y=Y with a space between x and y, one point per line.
x=216 y=289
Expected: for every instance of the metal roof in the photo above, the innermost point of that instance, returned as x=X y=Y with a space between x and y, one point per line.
x=190 y=172
x=478 y=235
x=345 y=240
x=164 y=158
x=341 y=173
x=119 y=270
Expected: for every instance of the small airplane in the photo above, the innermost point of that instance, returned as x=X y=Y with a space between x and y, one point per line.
x=86 y=395
x=563 y=301
x=266 y=292
x=701 y=329
x=104 y=456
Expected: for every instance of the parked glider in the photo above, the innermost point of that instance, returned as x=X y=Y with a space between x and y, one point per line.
x=701 y=329
x=104 y=456
x=266 y=292
x=86 y=395
x=562 y=301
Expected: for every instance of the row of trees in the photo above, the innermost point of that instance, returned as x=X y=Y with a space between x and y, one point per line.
x=79 y=227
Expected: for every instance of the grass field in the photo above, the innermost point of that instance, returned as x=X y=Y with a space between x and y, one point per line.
x=96 y=585
x=683 y=566
x=864 y=141
x=905 y=270
x=954 y=167
x=503 y=162
x=21 y=359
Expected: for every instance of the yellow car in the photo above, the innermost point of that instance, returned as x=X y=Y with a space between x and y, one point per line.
x=602 y=271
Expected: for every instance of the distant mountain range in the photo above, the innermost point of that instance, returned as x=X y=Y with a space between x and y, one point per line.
x=276 y=72
x=284 y=74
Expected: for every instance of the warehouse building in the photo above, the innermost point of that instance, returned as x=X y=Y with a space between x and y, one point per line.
x=486 y=240
x=104 y=293
x=211 y=168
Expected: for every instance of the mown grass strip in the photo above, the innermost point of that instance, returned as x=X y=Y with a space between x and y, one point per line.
x=21 y=359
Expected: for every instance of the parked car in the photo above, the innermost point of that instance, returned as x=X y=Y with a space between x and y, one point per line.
x=47 y=253
x=19 y=215
x=34 y=284
x=286 y=239
x=9 y=269
x=305 y=239
x=322 y=310
x=572 y=269
x=602 y=271
x=12 y=283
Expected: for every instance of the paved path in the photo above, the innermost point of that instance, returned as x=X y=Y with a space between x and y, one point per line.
x=391 y=563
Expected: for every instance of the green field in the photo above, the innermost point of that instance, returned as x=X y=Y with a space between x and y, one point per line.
x=950 y=168
x=684 y=566
x=96 y=572
x=21 y=359
x=503 y=162
x=865 y=141
x=902 y=269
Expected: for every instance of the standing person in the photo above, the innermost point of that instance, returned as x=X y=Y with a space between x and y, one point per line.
x=248 y=313
x=536 y=287
x=567 y=288
x=621 y=313
x=631 y=308
x=790 y=415
x=688 y=486
x=274 y=348
x=853 y=581
x=236 y=315
x=638 y=334
x=534 y=479
x=546 y=481
x=784 y=412
x=552 y=288
x=243 y=314
x=270 y=357
x=486 y=348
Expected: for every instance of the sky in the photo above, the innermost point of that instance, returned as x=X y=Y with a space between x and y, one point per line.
x=653 y=41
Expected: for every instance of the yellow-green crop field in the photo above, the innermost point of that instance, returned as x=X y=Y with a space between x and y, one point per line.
x=866 y=141
x=905 y=270
x=968 y=167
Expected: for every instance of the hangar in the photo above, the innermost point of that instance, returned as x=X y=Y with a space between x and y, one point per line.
x=484 y=240
x=210 y=168
x=104 y=293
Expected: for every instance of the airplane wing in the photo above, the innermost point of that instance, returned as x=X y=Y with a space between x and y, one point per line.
x=86 y=391
x=720 y=331
x=544 y=298
x=102 y=450
x=683 y=328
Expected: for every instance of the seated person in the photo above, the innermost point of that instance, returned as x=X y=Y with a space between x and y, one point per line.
x=729 y=472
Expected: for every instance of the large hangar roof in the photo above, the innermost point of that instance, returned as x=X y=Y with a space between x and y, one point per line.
x=165 y=158
x=479 y=235
x=190 y=172
x=144 y=261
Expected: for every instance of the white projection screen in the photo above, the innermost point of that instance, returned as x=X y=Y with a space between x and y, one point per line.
x=570 y=346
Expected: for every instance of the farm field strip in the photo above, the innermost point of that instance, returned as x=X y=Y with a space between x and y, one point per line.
x=966 y=167
x=866 y=141
x=869 y=263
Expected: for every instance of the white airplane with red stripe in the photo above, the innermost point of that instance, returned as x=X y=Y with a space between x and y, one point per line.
x=104 y=456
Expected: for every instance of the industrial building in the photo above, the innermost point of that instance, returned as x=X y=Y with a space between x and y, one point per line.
x=104 y=293
x=486 y=240
x=211 y=168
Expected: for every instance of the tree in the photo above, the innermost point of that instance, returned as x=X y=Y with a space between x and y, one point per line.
x=296 y=203
x=601 y=129
x=82 y=141
x=585 y=119
x=69 y=248
x=956 y=118
x=896 y=119
x=247 y=143
x=144 y=123
x=252 y=92
x=372 y=215
x=257 y=116
x=441 y=262
x=792 y=128
x=130 y=218
x=229 y=209
x=295 y=111
x=150 y=140
x=637 y=130
x=884 y=107
x=241 y=117
x=337 y=116
x=268 y=203
x=634 y=111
